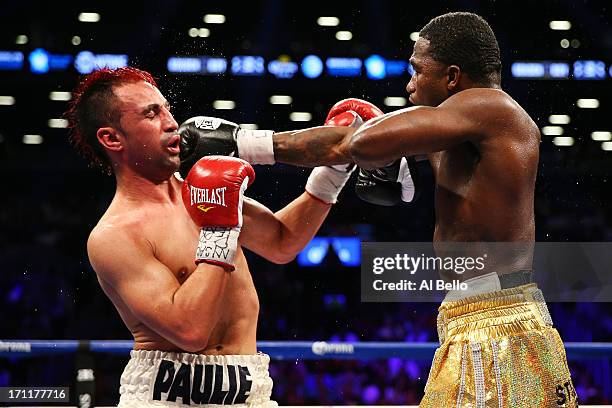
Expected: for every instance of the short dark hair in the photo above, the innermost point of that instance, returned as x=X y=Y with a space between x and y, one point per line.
x=94 y=105
x=466 y=40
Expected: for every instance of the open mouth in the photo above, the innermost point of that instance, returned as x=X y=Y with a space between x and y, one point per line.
x=174 y=144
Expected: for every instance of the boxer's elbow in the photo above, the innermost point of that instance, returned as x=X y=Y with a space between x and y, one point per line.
x=192 y=339
x=363 y=151
x=281 y=257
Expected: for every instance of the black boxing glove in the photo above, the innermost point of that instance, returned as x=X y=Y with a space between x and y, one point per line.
x=205 y=136
x=389 y=185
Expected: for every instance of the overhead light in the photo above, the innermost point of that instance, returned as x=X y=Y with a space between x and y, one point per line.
x=280 y=100
x=300 y=116
x=32 y=139
x=249 y=126
x=344 y=35
x=588 y=103
x=76 y=40
x=224 y=104
x=203 y=32
x=563 y=141
x=552 y=130
x=560 y=25
x=7 y=100
x=575 y=43
x=21 y=39
x=601 y=136
x=395 y=101
x=60 y=96
x=607 y=146
x=559 y=119
x=565 y=43
x=414 y=36
x=214 y=19
x=328 y=21
x=58 y=123
x=89 y=17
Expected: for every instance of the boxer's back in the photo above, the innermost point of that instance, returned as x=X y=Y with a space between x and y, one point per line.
x=171 y=236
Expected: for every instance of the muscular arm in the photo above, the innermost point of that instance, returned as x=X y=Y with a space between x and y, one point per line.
x=318 y=146
x=279 y=236
x=183 y=314
x=421 y=130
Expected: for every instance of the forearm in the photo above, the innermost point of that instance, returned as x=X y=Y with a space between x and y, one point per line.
x=299 y=222
x=195 y=306
x=318 y=146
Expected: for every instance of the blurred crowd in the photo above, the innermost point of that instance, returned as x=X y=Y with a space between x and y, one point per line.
x=49 y=291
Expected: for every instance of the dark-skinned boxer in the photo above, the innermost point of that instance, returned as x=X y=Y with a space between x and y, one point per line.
x=498 y=345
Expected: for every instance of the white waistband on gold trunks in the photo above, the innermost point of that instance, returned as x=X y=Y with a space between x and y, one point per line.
x=475 y=286
x=160 y=378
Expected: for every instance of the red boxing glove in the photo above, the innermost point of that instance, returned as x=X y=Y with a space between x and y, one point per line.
x=364 y=109
x=348 y=119
x=213 y=193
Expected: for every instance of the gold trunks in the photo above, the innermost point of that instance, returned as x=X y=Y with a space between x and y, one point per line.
x=499 y=349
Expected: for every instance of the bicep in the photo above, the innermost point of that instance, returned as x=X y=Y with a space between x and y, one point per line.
x=143 y=283
x=409 y=132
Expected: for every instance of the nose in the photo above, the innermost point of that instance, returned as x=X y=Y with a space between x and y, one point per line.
x=169 y=123
x=411 y=86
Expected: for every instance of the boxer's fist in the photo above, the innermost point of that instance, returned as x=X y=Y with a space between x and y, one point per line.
x=364 y=109
x=213 y=192
x=389 y=185
x=206 y=136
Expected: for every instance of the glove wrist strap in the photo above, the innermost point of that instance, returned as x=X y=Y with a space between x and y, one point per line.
x=217 y=246
x=325 y=183
x=256 y=146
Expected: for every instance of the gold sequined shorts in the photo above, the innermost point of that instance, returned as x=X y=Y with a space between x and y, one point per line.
x=499 y=349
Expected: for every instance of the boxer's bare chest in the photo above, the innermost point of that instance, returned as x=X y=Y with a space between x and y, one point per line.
x=174 y=237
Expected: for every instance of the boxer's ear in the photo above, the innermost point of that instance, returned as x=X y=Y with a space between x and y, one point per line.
x=108 y=138
x=453 y=73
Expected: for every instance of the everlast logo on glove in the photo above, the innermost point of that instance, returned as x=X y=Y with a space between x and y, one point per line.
x=202 y=384
x=208 y=196
x=203 y=122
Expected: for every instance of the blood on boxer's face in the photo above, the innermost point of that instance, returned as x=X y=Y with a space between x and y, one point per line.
x=428 y=85
x=148 y=128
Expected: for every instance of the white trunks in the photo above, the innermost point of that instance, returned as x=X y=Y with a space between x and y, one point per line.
x=163 y=379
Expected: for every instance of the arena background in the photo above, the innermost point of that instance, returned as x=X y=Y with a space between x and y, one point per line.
x=556 y=58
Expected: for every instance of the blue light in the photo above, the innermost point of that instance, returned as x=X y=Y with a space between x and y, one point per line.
x=184 y=64
x=11 y=60
x=86 y=61
x=395 y=68
x=348 y=67
x=558 y=70
x=410 y=69
x=348 y=250
x=39 y=61
x=282 y=69
x=332 y=301
x=59 y=62
x=375 y=67
x=215 y=65
x=312 y=66
x=587 y=69
x=111 y=61
x=314 y=253
x=248 y=65
x=528 y=70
